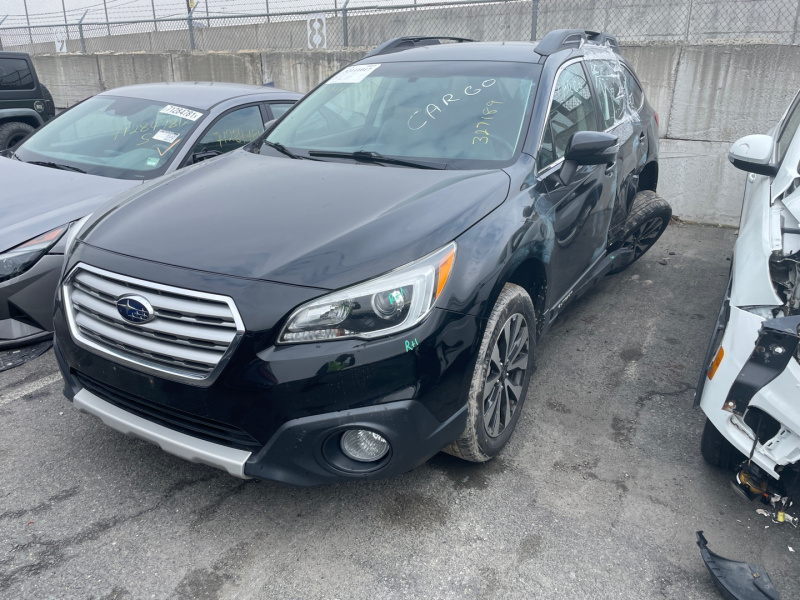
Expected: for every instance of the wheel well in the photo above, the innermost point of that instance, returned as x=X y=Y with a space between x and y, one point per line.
x=27 y=120
x=648 y=178
x=532 y=276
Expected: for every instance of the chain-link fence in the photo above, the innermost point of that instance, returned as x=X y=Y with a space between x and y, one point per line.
x=332 y=24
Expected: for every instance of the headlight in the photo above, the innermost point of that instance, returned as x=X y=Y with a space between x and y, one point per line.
x=17 y=260
x=391 y=303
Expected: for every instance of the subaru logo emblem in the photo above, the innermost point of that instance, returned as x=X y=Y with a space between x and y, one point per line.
x=135 y=309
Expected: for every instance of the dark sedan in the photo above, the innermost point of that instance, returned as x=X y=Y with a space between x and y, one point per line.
x=107 y=144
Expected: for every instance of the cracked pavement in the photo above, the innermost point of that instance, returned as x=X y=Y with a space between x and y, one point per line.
x=598 y=495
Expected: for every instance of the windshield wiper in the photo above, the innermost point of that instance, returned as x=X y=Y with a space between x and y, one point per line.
x=53 y=165
x=376 y=157
x=281 y=148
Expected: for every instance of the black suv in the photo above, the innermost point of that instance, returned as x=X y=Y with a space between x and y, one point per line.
x=25 y=103
x=365 y=285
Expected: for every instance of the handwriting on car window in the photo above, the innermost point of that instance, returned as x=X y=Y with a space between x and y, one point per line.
x=415 y=123
x=488 y=114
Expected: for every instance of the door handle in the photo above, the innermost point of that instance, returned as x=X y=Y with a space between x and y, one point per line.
x=611 y=168
x=642 y=136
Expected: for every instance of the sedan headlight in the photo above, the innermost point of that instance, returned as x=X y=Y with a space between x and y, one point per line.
x=391 y=303
x=20 y=258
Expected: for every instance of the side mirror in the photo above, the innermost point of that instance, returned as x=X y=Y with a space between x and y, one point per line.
x=592 y=148
x=587 y=148
x=753 y=153
x=204 y=155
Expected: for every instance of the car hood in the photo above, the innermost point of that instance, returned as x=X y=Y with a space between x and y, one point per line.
x=36 y=199
x=301 y=222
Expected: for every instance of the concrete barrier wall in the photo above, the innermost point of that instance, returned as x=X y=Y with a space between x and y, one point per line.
x=706 y=97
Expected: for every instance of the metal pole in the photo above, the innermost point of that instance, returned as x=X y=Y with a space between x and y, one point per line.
x=155 y=22
x=344 y=23
x=191 y=27
x=208 y=21
x=1 y=37
x=268 y=10
x=108 y=25
x=80 y=32
x=66 y=25
x=28 y=19
x=534 y=18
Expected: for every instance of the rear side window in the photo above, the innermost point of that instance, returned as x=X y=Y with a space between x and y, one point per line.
x=15 y=74
x=611 y=94
x=787 y=134
x=572 y=110
x=278 y=108
x=634 y=89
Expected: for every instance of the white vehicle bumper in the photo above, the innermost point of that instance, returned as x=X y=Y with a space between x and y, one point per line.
x=780 y=398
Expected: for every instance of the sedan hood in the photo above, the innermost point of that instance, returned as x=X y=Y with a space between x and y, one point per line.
x=36 y=199
x=301 y=222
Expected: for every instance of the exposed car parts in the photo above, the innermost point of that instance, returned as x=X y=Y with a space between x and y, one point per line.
x=734 y=579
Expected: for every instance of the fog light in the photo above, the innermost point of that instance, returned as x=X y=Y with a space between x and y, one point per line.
x=363 y=445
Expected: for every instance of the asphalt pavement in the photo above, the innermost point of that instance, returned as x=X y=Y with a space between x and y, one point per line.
x=598 y=494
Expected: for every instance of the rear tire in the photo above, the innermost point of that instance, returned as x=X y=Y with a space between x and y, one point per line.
x=649 y=217
x=13 y=133
x=501 y=377
x=717 y=451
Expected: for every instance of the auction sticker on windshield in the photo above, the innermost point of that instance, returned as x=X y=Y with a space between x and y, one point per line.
x=352 y=74
x=178 y=111
x=166 y=136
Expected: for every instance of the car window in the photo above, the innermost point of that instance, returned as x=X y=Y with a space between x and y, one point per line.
x=278 y=108
x=462 y=114
x=114 y=136
x=634 y=90
x=572 y=110
x=15 y=74
x=611 y=94
x=786 y=136
x=232 y=131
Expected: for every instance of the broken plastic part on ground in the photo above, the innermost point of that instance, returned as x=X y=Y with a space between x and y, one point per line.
x=736 y=580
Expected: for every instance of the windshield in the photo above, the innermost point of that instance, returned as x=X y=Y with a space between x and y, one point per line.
x=458 y=114
x=123 y=138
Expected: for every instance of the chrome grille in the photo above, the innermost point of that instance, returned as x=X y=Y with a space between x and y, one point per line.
x=190 y=337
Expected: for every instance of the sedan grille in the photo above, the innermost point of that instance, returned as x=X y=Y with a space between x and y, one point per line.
x=190 y=336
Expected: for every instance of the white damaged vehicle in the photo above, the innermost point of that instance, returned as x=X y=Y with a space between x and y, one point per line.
x=750 y=385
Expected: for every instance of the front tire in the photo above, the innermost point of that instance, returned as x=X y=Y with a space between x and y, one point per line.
x=501 y=377
x=718 y=451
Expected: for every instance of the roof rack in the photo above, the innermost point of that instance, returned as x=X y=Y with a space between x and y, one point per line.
x=559 y=39
x=404 y=43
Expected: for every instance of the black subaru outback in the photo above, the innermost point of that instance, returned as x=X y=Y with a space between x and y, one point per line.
x=25 y=103
x=365 y=285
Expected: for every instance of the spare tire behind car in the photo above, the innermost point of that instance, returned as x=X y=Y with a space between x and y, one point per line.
x=13 y=133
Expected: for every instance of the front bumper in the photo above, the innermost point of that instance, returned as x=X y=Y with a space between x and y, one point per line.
x=26 y=303
x=746 y=380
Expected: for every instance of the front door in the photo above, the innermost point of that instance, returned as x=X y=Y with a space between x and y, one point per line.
x=580 y=207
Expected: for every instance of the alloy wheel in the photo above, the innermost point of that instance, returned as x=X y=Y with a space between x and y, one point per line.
x=508 y=363
x=644 y=236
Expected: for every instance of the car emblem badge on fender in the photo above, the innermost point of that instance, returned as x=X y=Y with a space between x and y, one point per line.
x=135 y=309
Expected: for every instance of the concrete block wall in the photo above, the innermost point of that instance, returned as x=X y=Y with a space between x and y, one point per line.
x=706 y=96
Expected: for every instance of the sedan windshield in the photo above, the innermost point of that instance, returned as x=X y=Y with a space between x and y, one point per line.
x=445 y=114
x=123 y=138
